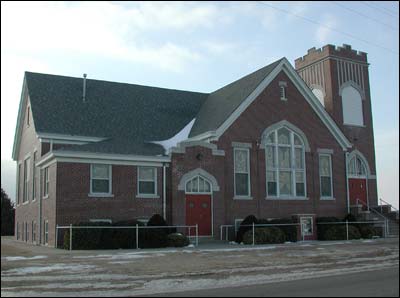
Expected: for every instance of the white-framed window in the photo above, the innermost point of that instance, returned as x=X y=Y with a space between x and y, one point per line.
x=238 y=222
x=33 y=231
x=46 y=232
x=242 y=172
x=306 y=225
x=352 y=106
x=34 y=176
x=282 y=90
x=46 y=183
x=100 y=179
x=357 y=168
x=147 y=181
x=26 y=179
x=285 y=164
x=26 y=232
x=18 y=194
x=198 y=185
x=325 y=175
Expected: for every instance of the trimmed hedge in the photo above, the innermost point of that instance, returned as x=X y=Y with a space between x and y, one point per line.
x=177 y=240
x=265 y=235
x=290 y=232
x=323 y=228
x=338 y=232
x=245 y=226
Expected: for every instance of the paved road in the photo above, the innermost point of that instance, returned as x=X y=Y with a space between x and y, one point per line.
x=382 y=283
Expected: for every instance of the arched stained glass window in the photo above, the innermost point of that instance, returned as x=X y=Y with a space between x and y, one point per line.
x=357 y=167
x=285 y=164
x=198 y=184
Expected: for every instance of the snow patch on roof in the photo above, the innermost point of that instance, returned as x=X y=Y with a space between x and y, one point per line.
x=179 y=137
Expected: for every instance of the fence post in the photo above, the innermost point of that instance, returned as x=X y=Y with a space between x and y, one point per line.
x=197 y=235
x=55 y=246
x=70 y=237
x=137 y=236
x=253 y=233
x=347 y=230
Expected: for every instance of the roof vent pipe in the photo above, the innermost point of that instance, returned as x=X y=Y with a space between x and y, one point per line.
x=84 y=88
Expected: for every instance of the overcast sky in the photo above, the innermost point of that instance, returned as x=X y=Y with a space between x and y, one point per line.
x=198 y=47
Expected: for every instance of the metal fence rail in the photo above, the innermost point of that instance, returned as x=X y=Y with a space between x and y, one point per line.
x=136 y=227
x=226 y=228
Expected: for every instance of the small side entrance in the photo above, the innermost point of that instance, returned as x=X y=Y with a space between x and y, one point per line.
x=198 y=211
x=358 y=190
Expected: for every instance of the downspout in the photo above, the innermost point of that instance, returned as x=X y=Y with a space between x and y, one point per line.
x=164 y=193
x=346 y=154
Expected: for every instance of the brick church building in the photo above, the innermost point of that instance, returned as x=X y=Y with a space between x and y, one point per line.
x=280 y=142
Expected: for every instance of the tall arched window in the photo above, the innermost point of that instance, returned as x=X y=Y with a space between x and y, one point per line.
x=285 y=164
x=357 y=167
x=352 y=106
x=197 y=185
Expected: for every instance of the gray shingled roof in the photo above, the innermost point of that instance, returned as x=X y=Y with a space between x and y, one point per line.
x=222 y=103
x=130 y=116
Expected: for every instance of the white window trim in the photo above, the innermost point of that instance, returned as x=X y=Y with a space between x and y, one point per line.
x=46 y=182
x=26 y=182
x=34 y=185
x=46 y=232
x=143 y=221
x=312 y=225
x=101 y=194
x=236 y=196
x=292 y=170
x=331 y=197
x=198 y=186
x=147 y=195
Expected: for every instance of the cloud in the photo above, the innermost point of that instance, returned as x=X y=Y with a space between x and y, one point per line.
x=323 y=34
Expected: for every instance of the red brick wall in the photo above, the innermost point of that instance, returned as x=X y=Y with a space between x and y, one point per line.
x=74 y=205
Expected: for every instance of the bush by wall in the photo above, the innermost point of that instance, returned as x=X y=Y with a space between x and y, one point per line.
x=177 y=240
x=322 y=228
x=245 y=226
x=264 y=235
x=290 y=232
x=338 y=232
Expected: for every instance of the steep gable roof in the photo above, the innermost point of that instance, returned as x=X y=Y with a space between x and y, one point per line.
x=221 y=103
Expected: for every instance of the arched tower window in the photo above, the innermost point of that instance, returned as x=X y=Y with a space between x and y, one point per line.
x=320 y=95
x=285 y=163
x=352 y=106
x=197 y=185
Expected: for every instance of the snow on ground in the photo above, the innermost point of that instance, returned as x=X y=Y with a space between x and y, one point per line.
x=23 y=258
x=41 y=269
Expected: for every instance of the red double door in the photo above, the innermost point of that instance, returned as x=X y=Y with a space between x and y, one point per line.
x=357 y=190
x=198 y=211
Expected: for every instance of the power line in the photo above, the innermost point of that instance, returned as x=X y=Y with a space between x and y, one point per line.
x=378 y=8
x=328 y=27
x=388 y=10
x=365 y=16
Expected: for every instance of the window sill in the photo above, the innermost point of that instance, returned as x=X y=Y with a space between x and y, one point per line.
x=327 y=199
x=242 y=198
x=46 y=197
x=147 y=196
x=287 y=198
x=100 y=195
x=25 y=203
x=355 y=125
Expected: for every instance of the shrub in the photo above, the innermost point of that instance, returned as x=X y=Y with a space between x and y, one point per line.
x=85 y=238
x=350 y=218
x=177 y=240
x=338 y=232
x=265 y=235
x=368 y=231
x=155 y=237
x=245 y=226
x=290 y=232
x=323 y=228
